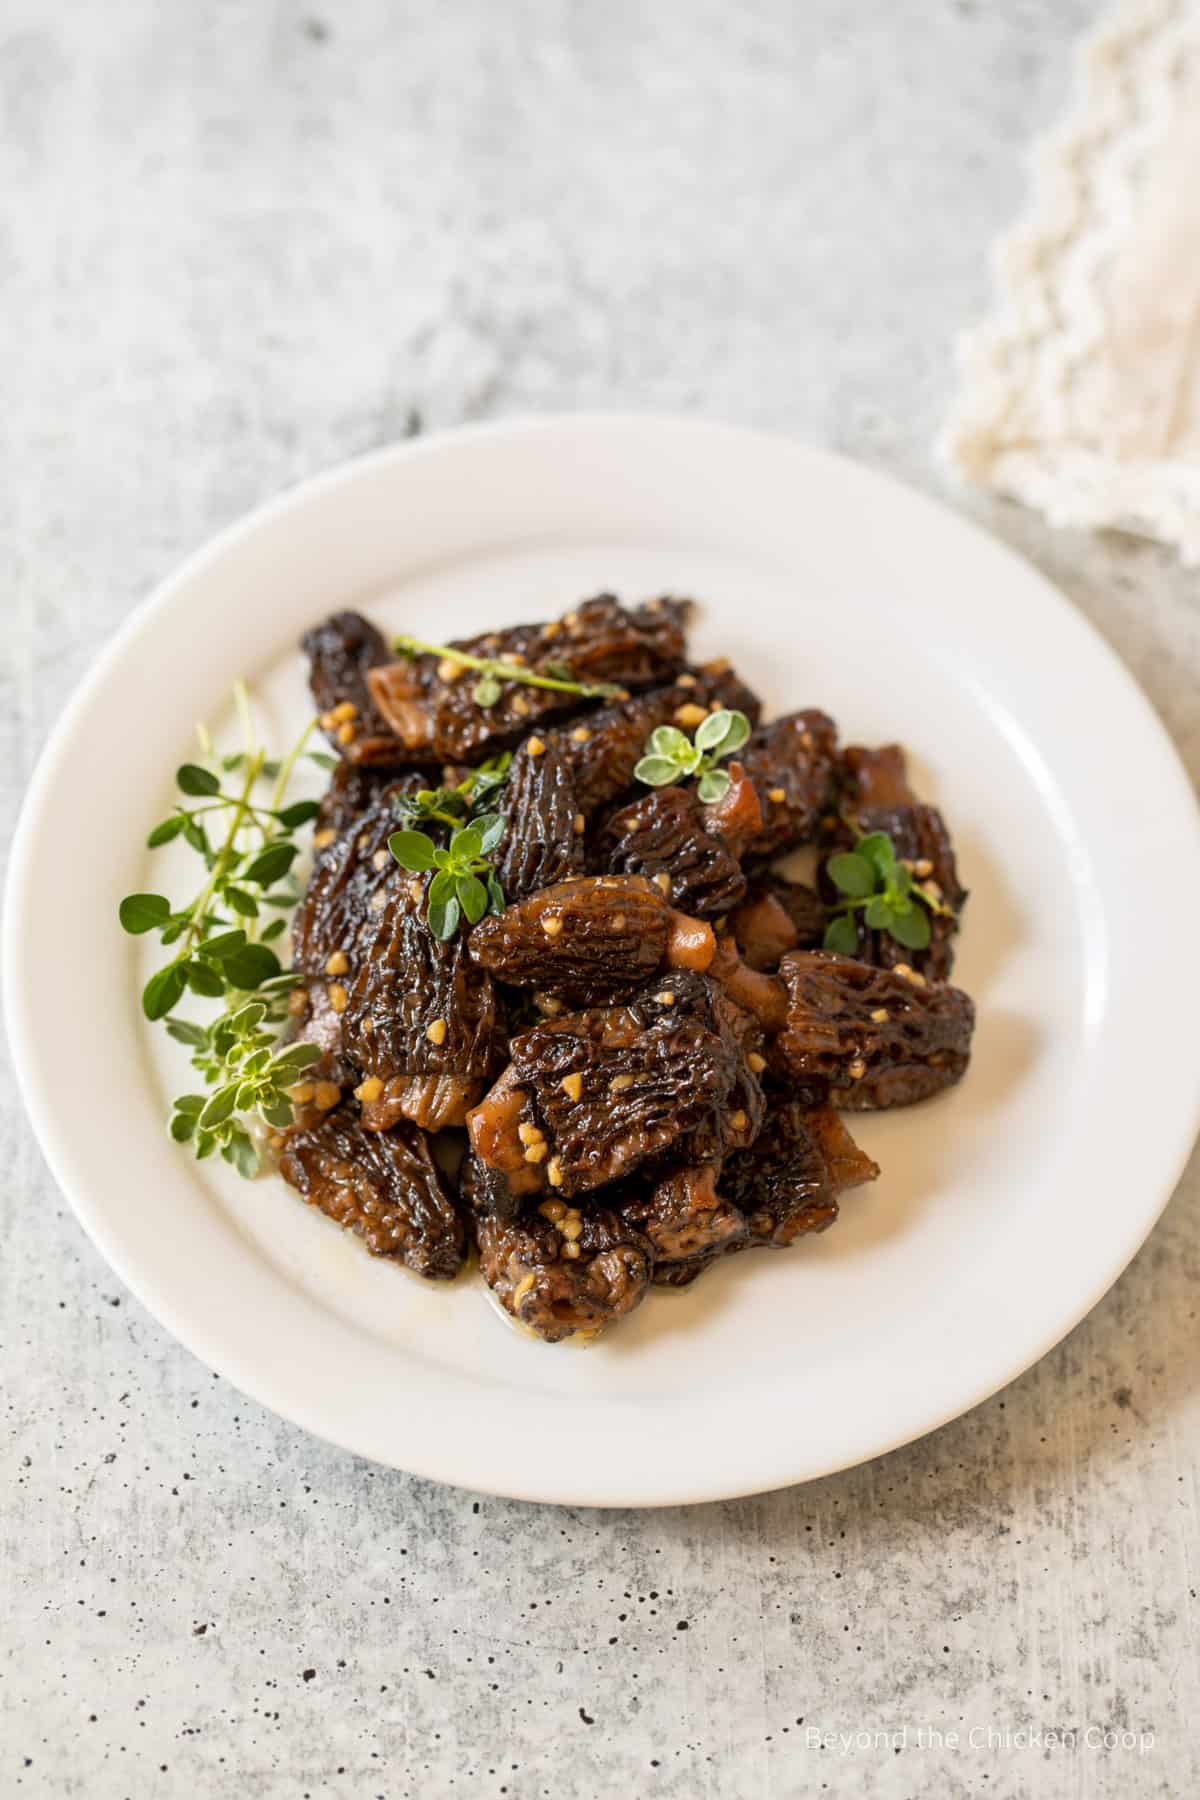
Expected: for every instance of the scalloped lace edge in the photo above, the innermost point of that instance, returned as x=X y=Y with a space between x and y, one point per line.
x=1014 y=427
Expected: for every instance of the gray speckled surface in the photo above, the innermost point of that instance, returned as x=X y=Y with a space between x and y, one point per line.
x=237 y=243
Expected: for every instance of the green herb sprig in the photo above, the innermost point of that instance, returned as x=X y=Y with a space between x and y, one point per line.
x=453 y=806
x=874 y=882
x=464 y=882
x=222 y=946
x=234 y=1055
x=494 y=673
x=671 y=756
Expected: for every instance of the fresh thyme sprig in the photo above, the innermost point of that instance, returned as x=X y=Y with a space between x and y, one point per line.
x=494 y=673
x=234 y=1055
x=464 y=882
x=670 y=756
x=872 y=880
x=221 y=949
x=453 y=806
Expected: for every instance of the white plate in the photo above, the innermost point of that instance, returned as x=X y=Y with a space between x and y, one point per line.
x=1005 y=1209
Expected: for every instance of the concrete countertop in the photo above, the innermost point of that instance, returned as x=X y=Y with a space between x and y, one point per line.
x=237 y=244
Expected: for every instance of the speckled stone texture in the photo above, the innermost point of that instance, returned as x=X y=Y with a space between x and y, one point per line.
x=239 y=242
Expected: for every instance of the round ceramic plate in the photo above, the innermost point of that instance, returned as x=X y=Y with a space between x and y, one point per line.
x=1005 y=1209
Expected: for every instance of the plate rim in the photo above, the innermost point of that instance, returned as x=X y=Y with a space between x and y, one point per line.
x=1172 y=1150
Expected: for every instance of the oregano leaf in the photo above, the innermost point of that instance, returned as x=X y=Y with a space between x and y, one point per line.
x=713 y=785
x=472 y=897
x=443 y=917
x=413 y=850
x=491 y=828
x=911 y=928
x=656 y=771
x=851 y=874
x=466 y=844
x=841 y=936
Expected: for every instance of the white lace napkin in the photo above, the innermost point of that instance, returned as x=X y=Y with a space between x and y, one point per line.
x=1081 y=395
